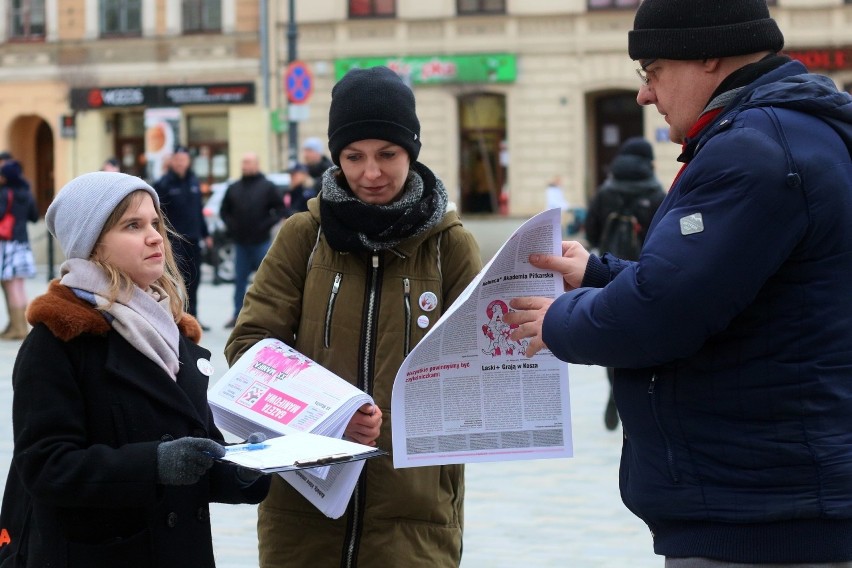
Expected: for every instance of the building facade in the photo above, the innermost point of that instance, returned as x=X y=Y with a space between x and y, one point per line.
x=510 y=93
x=85 y=80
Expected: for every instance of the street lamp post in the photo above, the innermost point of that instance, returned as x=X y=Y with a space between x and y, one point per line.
x=293 y=130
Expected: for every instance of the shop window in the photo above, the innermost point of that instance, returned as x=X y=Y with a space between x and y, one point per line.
x=129 y=143
x=612 y=5
x=475 y=7
x=208 y=144
x=121 y=17
x=26 y=20
x=372 y=8
x=202 y=16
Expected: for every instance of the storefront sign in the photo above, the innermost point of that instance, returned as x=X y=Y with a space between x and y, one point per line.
x=163 y=96
x=440 y=69
x=823 y=59
x=67 y=126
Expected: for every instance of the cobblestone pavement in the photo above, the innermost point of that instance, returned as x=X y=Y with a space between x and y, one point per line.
x=544 y=513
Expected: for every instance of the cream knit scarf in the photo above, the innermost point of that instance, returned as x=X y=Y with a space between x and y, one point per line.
x=144 y=320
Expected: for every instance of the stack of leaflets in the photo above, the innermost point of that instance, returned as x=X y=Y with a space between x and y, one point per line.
x=276 y=390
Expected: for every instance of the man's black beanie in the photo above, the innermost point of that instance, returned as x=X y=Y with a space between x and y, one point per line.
x=702 y=29
x=369 y=104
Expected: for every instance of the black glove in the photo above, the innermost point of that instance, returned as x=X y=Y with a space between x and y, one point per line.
x=184 y=461
x=245 y=475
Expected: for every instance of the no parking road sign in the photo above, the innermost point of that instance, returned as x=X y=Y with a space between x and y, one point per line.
x=299 y=82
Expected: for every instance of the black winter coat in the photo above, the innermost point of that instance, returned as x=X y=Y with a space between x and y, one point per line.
x=180 y=200
x=250 y=208
x=23 y=209
x=89 y=411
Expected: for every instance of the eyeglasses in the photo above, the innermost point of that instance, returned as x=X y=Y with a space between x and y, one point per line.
x=642 y=70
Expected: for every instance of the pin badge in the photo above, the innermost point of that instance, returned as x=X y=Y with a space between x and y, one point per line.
x=422 y=322
x=428 y=301
x=205 y=366
x=691 y=224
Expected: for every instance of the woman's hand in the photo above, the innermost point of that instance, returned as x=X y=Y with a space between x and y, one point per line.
x=365 y=425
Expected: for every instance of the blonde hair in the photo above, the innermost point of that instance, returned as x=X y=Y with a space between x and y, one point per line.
x=120 y=283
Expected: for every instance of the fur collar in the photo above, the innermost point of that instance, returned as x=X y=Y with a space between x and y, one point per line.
x=68 y=316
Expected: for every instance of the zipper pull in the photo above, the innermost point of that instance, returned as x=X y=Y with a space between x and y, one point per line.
x=375 y=260
x=336 y=286
x=653 y=384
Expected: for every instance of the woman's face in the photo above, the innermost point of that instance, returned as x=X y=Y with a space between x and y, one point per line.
x=134 y=244
x=376 y=170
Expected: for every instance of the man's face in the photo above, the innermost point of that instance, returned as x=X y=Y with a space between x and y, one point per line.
x=680 y=90
x=250 y=165
x=311 y=156
x=180 y=163
x=297 y=178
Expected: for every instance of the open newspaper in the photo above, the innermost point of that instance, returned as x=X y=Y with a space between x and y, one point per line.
x=276 y=390
x=467 y=392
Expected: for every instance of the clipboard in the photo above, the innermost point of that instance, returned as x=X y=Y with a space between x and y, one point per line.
x=296 y=451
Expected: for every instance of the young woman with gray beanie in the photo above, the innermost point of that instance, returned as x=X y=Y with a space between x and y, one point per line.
x=113 y=463
x=354 y=283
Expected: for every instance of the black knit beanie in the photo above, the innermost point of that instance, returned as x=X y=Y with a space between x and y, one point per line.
x=637 y=146
x=702 y=29
x=375 y=104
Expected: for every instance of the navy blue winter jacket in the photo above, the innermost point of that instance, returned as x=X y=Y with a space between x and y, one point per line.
x=733 y=335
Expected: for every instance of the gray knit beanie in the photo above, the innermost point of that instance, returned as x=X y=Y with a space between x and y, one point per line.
x=702 y=29
x=372 y=103
x=81 y=208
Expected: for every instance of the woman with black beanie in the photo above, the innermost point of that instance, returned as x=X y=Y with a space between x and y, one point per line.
x=354 y=283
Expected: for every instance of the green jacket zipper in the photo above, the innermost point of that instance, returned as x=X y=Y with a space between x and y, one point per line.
x=335 y=288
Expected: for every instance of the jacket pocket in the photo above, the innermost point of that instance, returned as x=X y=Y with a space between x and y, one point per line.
x=670 y=456
x=329 y=311
x=131 y=552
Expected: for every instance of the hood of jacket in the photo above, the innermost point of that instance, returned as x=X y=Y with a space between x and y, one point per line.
x=68 y=316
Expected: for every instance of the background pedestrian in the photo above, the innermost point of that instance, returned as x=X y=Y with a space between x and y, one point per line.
x=16 y=255
x=250 y=208
x=180 y=198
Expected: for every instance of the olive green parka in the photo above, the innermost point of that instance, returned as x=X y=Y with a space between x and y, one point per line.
x=357 y=314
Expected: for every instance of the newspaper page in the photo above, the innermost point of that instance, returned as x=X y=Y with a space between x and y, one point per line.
x=467 y=393
x=276 y=390
x=273 y=388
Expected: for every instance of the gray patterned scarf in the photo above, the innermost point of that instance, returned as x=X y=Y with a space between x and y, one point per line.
x=351 y=225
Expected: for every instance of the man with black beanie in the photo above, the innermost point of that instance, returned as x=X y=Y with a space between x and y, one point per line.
x=731 y=333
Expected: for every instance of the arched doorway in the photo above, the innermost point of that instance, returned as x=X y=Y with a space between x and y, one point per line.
x=32 y=145
x=482 y=129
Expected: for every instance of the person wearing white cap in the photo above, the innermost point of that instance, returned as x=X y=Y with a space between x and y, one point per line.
x=314 y=158
x=114 y=443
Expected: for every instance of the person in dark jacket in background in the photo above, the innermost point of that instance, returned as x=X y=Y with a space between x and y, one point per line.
x=250 y=208
x=630 y=187
x=731 y=333
x=316 y=161
x=113 y=462
x=300 y=190
x=16 y=255
x=180 y=198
